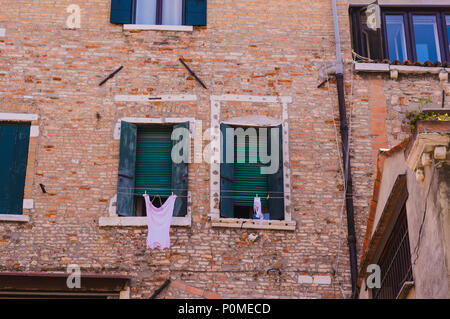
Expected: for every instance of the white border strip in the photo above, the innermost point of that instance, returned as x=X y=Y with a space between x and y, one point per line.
x=14 y=218
x=159 y=120
x=158 y=98
x=251 y=98
x=18 y=117
x=185 y=28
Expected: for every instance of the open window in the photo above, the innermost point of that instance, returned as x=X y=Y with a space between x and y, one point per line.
x=246 y=172
x=159 y=12
x=146 y=165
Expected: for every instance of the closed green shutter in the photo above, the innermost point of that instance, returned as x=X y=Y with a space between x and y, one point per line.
x=127 y=164
x=121 y=11
x=276 y=183
x=153 y=161
x=248 y=180
x=14 y=140
x=195 y=12
x=226 y=178
x=180 y=177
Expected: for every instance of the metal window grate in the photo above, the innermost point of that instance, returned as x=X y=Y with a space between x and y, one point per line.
x=395 y=261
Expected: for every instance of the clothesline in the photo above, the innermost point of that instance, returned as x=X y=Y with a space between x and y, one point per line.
x=205 y=190
x=236 y=197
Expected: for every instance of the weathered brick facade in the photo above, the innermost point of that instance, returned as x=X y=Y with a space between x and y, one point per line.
x=257 y=48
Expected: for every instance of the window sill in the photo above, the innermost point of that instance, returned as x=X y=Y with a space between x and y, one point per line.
x=407 y=69
x=254 y=224
x=117 y=221
x=14 y=218
x=138 y=27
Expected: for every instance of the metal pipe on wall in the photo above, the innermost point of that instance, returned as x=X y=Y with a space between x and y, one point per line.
x=351 y=236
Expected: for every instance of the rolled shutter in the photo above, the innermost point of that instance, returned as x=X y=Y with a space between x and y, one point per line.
x=226 y=178
x=248 y=180
x=121 y=11
x=276 y=182
x=153 y=162
x=195 y=12
x=127 y=167
x=180 y=178
x=14 y=141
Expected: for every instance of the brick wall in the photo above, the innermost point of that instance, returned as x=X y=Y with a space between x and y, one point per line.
x=249 y=47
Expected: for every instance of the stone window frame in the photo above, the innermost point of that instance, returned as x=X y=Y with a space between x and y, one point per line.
x=216 y=221
x=113 y=219
x=28 y=201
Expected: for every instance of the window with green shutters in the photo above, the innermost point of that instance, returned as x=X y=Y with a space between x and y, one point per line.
x=14 y=140
x=159 y=12
x=243 y=180
x=145 y=165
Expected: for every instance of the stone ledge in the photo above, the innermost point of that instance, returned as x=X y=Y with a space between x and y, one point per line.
x=384 y=67
x=14 y=218
x=117 y=221
x=140 y=27
x=254 y=224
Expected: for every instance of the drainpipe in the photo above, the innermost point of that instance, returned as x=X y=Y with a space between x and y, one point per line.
x=351 y=237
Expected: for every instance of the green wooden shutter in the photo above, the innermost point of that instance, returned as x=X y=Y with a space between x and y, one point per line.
x=248 y=180
x=153 y=161
x=276 y=183
x=127 y=165
x=180 y=178
x=226 y=178
x=121 y=11
x=195 y=12
x=14 y=140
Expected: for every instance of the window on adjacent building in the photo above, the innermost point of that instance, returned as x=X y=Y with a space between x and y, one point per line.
x=395 y=261
x=426 y=38
x=146 y=166
x=414 y=34
x=396 y=38
x=159 y=12
x=14 y=140
x=243 y=177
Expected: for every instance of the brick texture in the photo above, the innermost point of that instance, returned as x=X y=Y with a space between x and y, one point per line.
x=249 y=47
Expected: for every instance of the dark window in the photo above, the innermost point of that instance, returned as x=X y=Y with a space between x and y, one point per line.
x=14 y=140
x=395 y=261
x=413 y=34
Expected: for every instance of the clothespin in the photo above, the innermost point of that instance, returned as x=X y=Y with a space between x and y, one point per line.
x=172 y=193
x=268 y=196
x=256 y=195
x=145 y=192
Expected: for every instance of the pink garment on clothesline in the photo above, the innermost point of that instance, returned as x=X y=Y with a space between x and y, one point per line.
x=159 y=220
